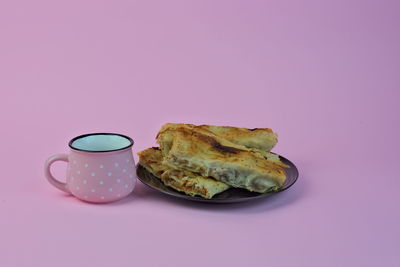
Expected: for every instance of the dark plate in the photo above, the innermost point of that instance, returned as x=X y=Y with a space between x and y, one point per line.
x=229 y=196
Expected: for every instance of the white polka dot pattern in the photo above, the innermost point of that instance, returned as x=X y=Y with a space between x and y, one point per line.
x=101 y=178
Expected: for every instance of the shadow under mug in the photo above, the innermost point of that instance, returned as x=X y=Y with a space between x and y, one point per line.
x=101 y=167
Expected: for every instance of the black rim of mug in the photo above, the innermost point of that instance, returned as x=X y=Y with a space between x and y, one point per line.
x=100 y=151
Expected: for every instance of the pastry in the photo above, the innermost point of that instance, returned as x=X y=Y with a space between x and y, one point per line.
x=258 y=138
x=199 y=150
x=184 y=181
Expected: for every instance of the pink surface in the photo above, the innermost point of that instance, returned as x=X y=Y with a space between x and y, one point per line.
x=323 y=74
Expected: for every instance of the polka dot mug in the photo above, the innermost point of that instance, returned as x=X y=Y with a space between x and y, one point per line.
x=100 y=169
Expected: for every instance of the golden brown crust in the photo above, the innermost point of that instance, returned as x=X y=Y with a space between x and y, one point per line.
x=151 y=159
x=169 y=129
x=258 y=138
x=199 y=150
x=183 y=181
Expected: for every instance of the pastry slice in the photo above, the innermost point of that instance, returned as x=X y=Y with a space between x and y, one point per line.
x=205 y=153
x=184 y=181
x=168 y=133
x=259 y=138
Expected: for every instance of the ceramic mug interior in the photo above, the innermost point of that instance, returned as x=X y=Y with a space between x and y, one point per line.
x=101 y=142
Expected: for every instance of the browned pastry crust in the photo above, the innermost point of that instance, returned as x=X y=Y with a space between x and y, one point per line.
x=258 y=138
x=199 y=150
x=184 y=181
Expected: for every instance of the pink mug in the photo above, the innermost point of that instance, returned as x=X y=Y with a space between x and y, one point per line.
x=101 y=167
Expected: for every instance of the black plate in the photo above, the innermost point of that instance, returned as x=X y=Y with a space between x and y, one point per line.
x=231 y=195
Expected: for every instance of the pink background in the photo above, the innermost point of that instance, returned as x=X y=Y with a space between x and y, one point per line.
x=323 y=74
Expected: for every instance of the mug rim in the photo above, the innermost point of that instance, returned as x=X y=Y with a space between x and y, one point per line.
x=100 y=151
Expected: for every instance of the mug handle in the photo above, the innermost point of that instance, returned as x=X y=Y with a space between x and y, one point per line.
x=50 y=177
